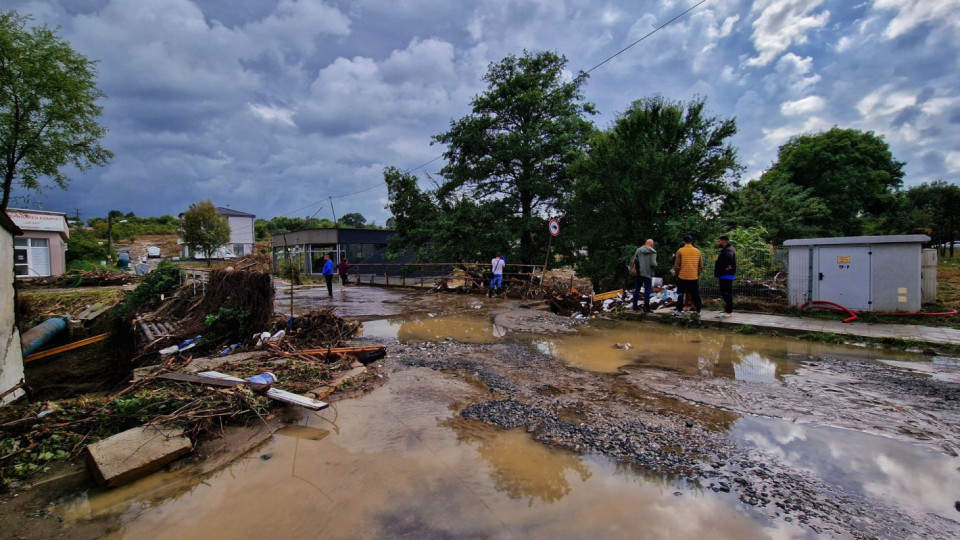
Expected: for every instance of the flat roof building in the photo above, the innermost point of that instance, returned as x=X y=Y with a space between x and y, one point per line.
x=40 y=250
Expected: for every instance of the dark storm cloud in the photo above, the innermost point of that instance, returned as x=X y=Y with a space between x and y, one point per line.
x=271 y=104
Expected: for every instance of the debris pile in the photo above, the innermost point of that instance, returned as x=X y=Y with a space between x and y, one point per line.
x=80 y=278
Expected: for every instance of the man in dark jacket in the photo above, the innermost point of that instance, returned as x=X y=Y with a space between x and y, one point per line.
x=725 y=270
x=646 y=265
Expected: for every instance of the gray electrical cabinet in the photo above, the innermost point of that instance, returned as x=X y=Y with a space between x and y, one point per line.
x=863 y=273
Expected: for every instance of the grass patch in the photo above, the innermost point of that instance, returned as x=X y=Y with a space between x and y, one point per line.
x=745 y=329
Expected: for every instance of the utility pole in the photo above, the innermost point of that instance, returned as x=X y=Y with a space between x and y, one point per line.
x=109 y=235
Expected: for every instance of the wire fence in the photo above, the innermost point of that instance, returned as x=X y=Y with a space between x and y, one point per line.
x=761 y=274
x=432 y=275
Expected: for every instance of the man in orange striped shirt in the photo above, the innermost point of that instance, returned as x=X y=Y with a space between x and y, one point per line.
x=688 y=264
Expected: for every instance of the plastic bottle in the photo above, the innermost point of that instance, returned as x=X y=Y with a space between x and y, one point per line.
x=263 y=378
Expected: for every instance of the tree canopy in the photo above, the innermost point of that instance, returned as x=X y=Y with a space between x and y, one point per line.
x=852 y=174
x=48 y=107
x=658 y=173
x=204 y=229
x=353 y=219
x=938 y=206
x=507 y=159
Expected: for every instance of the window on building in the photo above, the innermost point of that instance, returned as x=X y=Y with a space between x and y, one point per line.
x=31 y=257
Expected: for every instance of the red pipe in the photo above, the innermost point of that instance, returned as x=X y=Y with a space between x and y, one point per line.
x=833 y=306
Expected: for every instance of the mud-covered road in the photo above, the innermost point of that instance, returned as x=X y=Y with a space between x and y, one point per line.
x=491 y=420
x=811 y=447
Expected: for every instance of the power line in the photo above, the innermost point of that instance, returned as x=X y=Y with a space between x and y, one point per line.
x=652 y=32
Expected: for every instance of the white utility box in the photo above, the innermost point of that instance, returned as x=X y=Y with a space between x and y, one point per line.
x=862 y=273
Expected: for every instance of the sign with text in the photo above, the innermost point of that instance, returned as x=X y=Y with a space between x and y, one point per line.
x=30 y=221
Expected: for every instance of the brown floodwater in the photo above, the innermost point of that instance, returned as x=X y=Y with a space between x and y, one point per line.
x=594 y=347
x=399 y=462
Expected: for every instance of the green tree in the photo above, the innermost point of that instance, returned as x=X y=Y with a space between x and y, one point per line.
x=658 y=173
x=353 y=219
x=204 y=229
x=48 y=107
x=785 y=210
x=515 y=146
x=939 y=206
x=451 y=229
x=852 y=172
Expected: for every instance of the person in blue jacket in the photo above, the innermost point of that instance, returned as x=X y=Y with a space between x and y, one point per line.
x=328 y=273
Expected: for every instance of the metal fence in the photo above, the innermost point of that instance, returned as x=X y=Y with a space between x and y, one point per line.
x=761 y=274
x=431 y=275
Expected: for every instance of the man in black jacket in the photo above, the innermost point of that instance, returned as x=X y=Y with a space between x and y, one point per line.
x=725 y=270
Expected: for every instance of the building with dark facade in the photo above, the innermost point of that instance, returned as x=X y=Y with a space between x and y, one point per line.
x=364 y=248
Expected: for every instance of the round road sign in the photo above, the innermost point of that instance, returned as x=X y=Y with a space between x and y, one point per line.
x=554 y=227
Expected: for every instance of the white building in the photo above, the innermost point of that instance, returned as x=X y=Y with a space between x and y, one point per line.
x=40 y=250
x=242 y=235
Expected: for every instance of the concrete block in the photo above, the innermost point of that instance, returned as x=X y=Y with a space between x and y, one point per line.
x=135 y=453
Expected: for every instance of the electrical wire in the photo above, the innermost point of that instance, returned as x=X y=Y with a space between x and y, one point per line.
x=652 y=32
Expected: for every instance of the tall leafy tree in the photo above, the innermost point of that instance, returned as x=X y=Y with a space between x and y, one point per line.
x=853 y=172
x=658 y=172
x=452 y=229
x=48 y=107
x=785 y=210
x=204 y=229
x=939 y=205
x=353 y=219
x=511 y=152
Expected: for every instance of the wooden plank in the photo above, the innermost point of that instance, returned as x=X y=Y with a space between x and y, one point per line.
x=607 y=295
x=212 y=381
x=273 y=393
x=65 y=348
x=340 y=350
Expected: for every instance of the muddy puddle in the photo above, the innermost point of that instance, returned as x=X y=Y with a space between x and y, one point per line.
x=399 y=462
x=607 y=346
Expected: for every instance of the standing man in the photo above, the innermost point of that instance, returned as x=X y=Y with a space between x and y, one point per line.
x=342 y=270
x=646 y=266
x=328 y=273
x=725 y=270
x=497 y=264
x=688 y=265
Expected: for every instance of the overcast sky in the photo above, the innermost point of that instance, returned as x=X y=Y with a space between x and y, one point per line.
x=272 y=106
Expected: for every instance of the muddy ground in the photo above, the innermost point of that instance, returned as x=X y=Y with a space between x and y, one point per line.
x=674 y=423
x=677 y=424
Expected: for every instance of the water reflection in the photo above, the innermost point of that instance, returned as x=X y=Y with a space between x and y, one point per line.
x=463 y=327
x=690 y=351
x=402 y=464
x=868 y=465
x=518 y=469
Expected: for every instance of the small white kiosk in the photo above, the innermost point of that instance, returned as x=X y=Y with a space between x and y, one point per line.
x=863 y=273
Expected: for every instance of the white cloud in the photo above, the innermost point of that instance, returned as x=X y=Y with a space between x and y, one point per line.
x=953 y=162
x=780 y=24
x=913 y=13
x=273 y=114
x=807 y=105
x=353 y=95
x=792 y=77
x=811 y=124
x=885 y=101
